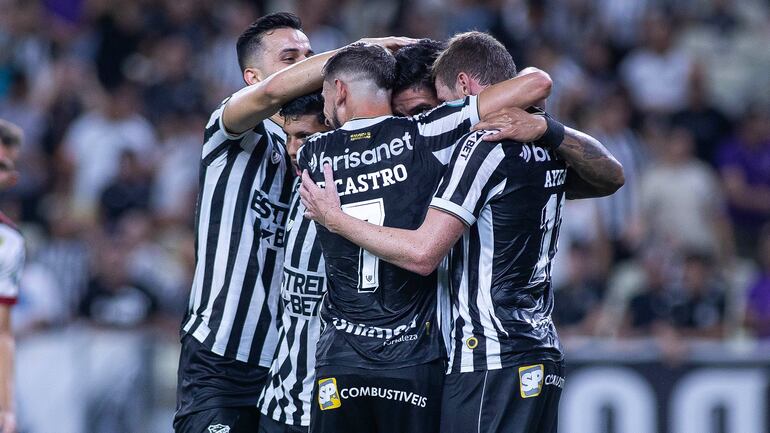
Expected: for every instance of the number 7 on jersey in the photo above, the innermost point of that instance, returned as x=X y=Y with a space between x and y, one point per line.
x=371 y=211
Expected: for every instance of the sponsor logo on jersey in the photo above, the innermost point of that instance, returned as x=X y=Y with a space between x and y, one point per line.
x=531 y=380
x=530 y=151
x=373 y=155
x=219 y=428
x=361 y=136
x=302 y=291
x=554 y=380
x=385 y=394
x=375 y=331
x=272 y=218
x=328 y=396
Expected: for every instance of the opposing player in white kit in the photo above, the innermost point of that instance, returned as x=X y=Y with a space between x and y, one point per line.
x=11 y=264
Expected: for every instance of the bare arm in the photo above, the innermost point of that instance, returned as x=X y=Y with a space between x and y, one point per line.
x=598 y=172
x=594 y=171
x=418 y=251
x=253 y=104
x=521 y=91
x=7 y=349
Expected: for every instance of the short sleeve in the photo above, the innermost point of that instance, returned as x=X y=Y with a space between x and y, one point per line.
x=216 y=139
x=11 y=264
x=469 y=180
x=441 y=127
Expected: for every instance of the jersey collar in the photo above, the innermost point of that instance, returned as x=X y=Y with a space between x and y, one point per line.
x=361 y=123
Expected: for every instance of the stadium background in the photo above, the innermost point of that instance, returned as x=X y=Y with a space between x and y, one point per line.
x=663 y=290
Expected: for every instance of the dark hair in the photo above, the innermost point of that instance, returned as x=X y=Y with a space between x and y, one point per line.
x=414 y=64
x=371 y=62
x=477 y=54
x=10 y=134
x=311 y=104
x=249 y=41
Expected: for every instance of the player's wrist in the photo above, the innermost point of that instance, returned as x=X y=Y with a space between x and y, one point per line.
x=553 y=135
x=330 y=218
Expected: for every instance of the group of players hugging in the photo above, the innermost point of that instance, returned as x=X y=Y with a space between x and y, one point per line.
x=375 y=256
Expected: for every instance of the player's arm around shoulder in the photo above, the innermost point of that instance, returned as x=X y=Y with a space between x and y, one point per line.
x=418 y=251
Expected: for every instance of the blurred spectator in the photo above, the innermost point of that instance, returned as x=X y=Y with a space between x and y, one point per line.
x=320 y=23
x=578 y=302
x=744 y=163
x=112 y=298
x=708 y=125
x=682 y=203
x=700 y=307
x=129 y=191
x=758 y=302
x=621 y=211
x=657 y=73
x=97 y=139
x=650 y=308
x=569 y=83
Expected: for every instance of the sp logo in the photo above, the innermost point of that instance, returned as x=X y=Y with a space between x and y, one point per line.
x=531 y=380
x=219 y=428
x=328 y=396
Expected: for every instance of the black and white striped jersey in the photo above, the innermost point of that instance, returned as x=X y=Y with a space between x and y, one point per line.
x=243 y=203
x=378 y=315
x=289 y=385
x=510 y=196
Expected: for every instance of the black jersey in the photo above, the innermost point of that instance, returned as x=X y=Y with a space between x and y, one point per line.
x=510 y=195
x=377 y=315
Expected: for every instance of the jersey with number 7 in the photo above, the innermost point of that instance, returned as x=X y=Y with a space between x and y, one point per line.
x=377 y=315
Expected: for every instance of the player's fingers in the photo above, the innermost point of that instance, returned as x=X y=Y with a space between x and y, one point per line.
x=328 y=175
x=307 y=182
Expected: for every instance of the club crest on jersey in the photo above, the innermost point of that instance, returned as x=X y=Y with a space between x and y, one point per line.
x=219 y=428
x=275 y=157
x=328 y=396
x=531 y=380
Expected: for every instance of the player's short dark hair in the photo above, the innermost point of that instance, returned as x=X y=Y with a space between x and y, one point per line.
x=414 y=64
x=370 y=62
x=249 y=42
x=311 y=104
x=10 y=134
x=477 y=54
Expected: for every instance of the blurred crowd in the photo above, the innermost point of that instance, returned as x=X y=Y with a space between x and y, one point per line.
x=113 y=96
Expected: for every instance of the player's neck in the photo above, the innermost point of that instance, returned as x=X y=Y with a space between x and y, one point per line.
x=371 y=109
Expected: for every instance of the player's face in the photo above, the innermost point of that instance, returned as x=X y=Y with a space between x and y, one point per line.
x=283 y=48
x=414 y=100
x=8 y=173
x=297 y=130
x=447 y=93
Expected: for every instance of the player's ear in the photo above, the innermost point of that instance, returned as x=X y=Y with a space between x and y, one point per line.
x=252 y=76
x=342 y=92
x=463 y=84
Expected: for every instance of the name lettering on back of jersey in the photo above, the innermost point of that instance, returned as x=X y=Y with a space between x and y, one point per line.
x=301 y=292
x=555 y=178
x=370 y=181
x=530 y=151
x=368 y=157
x=272 y=218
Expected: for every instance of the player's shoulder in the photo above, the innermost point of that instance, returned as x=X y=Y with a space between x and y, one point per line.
x=11 y=241
x=439 y=110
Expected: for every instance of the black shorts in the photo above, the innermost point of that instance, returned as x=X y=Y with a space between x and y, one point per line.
x=404 y=400
x=219 y=420
x=521 y=399
x=206 y=381
x=269 y=425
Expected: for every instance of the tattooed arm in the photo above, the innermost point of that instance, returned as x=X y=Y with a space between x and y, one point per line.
x=593 y=171
x=598 y=172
